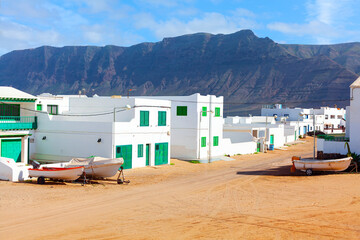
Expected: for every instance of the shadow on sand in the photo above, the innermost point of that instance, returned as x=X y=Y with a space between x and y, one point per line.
x=280 y=171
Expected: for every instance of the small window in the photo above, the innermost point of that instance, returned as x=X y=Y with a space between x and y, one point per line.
x=204 y=111
x=332 y=117
x=52 y=109
x=339 y=116
x=161 y=118
x=144 y=118
x=326 y=116
x=203 y=142
x=216 y=141
x=118 y=150
x=140 y=150
x=217 y=112
x=38 y=107
x=181 y=111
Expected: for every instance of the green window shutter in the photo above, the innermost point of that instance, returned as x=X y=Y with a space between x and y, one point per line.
x=181 y=111
x=52 y=109
x=203 y=142
x=144 y=118
x=161 y=118
x=204 y=111
x=140 y=150
x=38 y=107
x=216 y=141
x=217 y=112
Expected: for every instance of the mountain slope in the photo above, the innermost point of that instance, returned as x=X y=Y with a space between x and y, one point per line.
x=239 y=66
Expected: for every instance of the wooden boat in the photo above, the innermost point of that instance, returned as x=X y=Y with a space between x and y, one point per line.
x=308 y=165
x=97 y=167
x=68 y=174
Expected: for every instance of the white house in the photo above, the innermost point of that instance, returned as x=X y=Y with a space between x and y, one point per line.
x=336 y=144
x=137 y=129
x=328 y=120
x=197 y=129
x=17 y=123
x=258 y=127
x=334 y=119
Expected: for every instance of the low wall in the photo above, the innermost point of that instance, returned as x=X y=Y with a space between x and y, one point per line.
x=331 y=147
x=230 y=148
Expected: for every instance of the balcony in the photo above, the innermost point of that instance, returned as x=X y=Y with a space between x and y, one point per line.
x=18 y=123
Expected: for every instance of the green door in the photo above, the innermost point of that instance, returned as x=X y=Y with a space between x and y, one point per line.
x=271 y=139
x=125 y=151
x=258 y=147
x=11 y=148
x=161 y=153
x=147 y=153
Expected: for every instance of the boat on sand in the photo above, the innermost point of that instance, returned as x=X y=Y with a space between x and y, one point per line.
x=68 y=174
x=97 y=167
x=308 y=165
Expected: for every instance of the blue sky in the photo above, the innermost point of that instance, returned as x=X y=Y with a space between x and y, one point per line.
x=33 y=23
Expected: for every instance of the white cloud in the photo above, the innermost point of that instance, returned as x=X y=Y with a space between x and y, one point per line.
x=209 y=22
x=326 y=21
x=17 y=36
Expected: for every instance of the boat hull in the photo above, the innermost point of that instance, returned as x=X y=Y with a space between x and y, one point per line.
x=105 y=170
x=98 y=167
x=69 y=174
x=323 y=165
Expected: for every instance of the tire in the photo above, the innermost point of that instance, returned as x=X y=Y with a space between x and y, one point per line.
x=119 y=181
x=41 y=180
x=309 y=172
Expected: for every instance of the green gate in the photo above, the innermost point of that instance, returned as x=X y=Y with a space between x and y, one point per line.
x=161 y=153
x=125 y=151
x=11 y=148
x=147 y=154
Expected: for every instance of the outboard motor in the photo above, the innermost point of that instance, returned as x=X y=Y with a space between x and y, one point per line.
x=35 y=164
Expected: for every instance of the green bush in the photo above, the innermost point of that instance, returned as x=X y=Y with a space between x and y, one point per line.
x=194 y=161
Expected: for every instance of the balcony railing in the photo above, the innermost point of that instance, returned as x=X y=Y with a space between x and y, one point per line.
x=17 y=123
x=333 y=138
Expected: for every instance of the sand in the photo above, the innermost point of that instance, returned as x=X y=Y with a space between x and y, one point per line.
x=253 y=197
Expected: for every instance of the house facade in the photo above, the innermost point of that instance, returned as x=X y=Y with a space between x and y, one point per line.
x=17 y=123
x=327 y=120
x=352 y=136
x=266 y=132
x=196 y=126
x=136 y=129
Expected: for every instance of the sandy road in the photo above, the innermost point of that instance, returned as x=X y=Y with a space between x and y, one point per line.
x=254 y=197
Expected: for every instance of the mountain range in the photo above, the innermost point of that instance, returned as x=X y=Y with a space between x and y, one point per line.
x=247 y=70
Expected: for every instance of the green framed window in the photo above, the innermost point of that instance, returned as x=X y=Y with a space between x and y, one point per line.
x=144 y=118
x=204 y=111
x=181 y=111
x=217 y=112
x=52 y=109
x=38 y=107
x=10 y=110
x=140 y=150
x=203 y=141
x=162 y=118
x=216 y=141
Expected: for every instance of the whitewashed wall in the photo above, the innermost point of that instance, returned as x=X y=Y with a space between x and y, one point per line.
x=354 y=121
x=186 y=131
x=69 y=136
x=331 y=146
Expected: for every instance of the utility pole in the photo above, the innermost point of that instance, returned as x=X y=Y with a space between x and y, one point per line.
x=314 y=132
